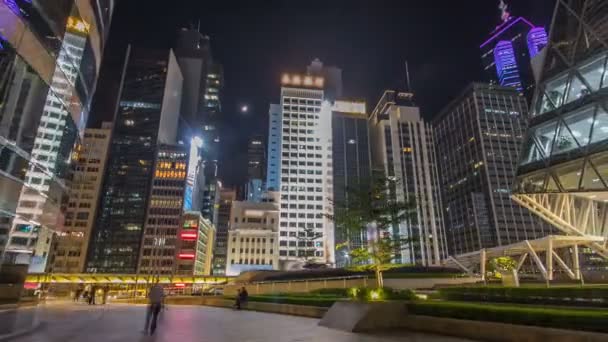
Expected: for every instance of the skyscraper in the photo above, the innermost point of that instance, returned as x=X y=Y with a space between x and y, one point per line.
x=478 y=137
x=352 y=166
x=49 y=78
x=306 y=171
x=160 y=242
x=201 y=111
x=220 y=251
x=273 y=170
x=73 y=241
x=256 y=164
x=404 y=149
x=563 y=171
x=506 y=53
x=147 y=117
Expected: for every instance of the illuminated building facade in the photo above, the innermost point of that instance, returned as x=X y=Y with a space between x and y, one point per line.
x=305 y=182
x=273 y=169
x=164 y=211
x=351 y=162
x=49 y=78
x=403 y=147
x=73 y=241
x=256 y=164
x=220 y=251
x=507 y=52
x=563 y=171
x=147 y=118
x=478 y=137
x=253 y=237
x=195 y=245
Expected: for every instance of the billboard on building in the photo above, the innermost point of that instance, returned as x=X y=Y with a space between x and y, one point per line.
x=193 y=159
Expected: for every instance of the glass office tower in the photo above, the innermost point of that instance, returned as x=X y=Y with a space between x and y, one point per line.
x=147 y=117
x=478 y=138
x=563 y=171
x=50 y=55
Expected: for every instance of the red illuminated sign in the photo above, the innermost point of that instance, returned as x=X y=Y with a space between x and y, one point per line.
x=186 y=255
x=188 y=236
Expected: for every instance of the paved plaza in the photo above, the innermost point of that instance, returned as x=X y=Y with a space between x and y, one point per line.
x=68 y=322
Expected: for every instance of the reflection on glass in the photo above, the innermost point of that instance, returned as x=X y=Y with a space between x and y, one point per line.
x=600 y=162
x=592 y=72
x=591 y=180
x=577 y=89
x=531 y=183
x=580 y=125
x=545 y=135
x=569 y=174
x=600 y=126
x=554 y=94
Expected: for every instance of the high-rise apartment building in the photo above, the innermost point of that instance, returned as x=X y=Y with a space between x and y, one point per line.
x=507 y=52
x=352 y=163
x=306 y=171
x=563 y=171
x=73 y=241
x=147 y=118
x=49 y=78
x=160 y=241
x=220 y=251
x=403 y=147
x=253 y=237
x=478 y=137
x=256 y=164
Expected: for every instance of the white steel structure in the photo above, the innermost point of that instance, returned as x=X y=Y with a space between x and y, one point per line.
x=306 y=172
x=38 y=211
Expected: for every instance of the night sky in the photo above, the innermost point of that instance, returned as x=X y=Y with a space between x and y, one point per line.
x=256 y=41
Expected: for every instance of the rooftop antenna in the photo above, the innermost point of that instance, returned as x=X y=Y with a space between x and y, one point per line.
x=199 y=26
x=408 y=85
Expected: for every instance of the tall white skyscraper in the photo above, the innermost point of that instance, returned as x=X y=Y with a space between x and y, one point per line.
x=306 y=180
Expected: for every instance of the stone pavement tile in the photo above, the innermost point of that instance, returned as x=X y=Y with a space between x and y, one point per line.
x=195 y=323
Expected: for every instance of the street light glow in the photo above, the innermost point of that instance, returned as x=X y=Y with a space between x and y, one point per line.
x=244 y=109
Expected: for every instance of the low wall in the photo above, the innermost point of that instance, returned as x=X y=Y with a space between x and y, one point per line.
x=427 y=283
x=380 y=316
x=285 y=309
x=299 y=286
x=498 y=332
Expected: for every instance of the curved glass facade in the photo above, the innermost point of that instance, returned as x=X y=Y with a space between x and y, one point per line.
x=50 y=56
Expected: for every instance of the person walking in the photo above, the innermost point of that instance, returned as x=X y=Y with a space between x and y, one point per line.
x=106 y=290
x=92 y=295
x=156 y=297
x=241 y=298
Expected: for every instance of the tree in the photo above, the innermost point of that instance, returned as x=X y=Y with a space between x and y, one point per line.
x=374 y=206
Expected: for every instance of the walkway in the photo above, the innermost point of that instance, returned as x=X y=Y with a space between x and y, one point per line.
x=67 y=323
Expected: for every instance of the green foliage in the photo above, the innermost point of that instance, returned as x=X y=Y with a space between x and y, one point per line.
x=501 y=265
x=296 y=300
x=591 y=320
x=337 y=292
x=370 y=294
x=580 y=296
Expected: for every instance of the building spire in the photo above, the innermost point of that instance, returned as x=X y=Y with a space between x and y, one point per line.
x=504 y=9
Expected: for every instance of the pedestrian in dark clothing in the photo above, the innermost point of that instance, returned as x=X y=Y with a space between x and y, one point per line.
x=156 y=297
x=92 y=296
x=241 y=298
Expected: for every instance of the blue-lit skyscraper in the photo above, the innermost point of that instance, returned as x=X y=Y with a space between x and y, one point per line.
x=537 y=39
x=506 y=65
x=507 y=52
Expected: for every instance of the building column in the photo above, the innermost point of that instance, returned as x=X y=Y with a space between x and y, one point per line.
x=549 y=257
x=576 y=263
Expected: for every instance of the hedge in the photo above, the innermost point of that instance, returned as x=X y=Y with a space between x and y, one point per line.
x=590 y=320
x=584 y=296
x=338 y=292
x=310 y=301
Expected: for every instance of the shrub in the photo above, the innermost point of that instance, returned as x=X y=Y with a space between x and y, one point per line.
x=588 y=296
x=591 y=320
x=310 y=301
x=369 y=294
